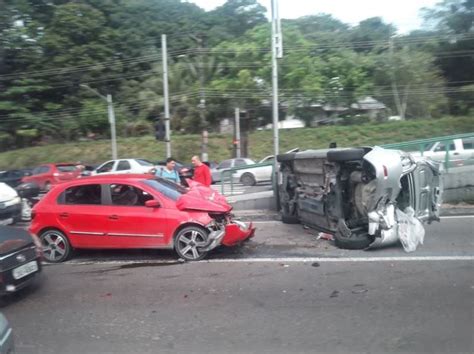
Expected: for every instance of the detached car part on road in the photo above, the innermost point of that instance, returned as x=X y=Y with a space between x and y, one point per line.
x=134 y=211
x=355 y=193
x=20 y=259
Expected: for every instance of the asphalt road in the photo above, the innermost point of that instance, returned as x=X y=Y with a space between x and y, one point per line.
x=282 y=292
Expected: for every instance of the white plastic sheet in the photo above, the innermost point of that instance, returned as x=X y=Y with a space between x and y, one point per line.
x=410 y=230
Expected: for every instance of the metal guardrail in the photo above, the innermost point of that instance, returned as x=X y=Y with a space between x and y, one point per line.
x=421 y=145
x=229 y=172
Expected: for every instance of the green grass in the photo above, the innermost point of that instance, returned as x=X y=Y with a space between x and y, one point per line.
x=220 y=146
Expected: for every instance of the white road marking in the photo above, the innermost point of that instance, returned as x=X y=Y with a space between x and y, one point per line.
x=288 y=260
x=458 y=217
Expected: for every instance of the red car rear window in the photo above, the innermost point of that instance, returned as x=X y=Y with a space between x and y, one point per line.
x=66 y=168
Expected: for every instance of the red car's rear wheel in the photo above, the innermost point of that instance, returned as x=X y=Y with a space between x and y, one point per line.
x=56 y=246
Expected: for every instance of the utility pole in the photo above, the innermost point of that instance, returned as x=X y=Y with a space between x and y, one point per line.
x=164 y=51
x=277 y=52
x=111 y=115
x=202 y=105
x=113 y=134
x=396 y=95
x=237 y=132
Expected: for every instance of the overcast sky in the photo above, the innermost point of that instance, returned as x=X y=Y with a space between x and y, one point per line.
x=404 y=14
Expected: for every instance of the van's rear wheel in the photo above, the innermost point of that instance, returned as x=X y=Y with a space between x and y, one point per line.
x=341 y=155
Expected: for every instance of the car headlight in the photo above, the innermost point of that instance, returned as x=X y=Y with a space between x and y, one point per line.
x=15 y=200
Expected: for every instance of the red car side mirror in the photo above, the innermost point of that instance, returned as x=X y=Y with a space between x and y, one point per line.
x=152 y=203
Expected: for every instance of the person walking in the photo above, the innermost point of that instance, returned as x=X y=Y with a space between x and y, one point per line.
x=202 y=173
x=168 y=172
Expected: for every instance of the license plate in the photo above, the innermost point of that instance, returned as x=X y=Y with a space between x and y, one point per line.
x=25 y=269
x=6 y=221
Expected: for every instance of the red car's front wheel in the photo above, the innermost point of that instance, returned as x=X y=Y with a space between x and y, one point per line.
x=189 y=243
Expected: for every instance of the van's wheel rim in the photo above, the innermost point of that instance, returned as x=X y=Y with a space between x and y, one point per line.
x=54 y=246
x=190 y=243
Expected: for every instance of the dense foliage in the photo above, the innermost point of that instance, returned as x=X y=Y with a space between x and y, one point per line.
x=218 y=60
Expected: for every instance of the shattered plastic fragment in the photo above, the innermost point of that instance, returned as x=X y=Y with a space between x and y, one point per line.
x=410 y=230
x=325 y=236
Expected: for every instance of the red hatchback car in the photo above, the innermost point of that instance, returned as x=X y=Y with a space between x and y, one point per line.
x=52 y=173
x=134 y=211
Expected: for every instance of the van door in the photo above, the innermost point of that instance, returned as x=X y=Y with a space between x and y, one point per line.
x=425 y=185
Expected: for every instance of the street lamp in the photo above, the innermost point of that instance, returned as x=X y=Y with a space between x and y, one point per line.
x=111 y=113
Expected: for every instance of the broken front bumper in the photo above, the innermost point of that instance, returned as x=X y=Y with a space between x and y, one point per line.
x=234 y=233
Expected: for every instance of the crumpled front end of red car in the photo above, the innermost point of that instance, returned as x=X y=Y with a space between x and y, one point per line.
x=228 y=232
x=236 y=232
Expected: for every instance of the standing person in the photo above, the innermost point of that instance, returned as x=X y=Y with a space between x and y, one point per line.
x=202 y=173
x=168 y=172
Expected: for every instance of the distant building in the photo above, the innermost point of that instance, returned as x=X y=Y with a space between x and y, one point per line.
x=370 y=107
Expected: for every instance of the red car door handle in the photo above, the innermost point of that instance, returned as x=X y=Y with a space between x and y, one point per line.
x=64 y=215
x=113 y=217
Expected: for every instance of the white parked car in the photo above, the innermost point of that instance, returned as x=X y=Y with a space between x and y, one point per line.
x=255 y=174
x=123 y=166
x=10 y=205
x=460 y=152
x=252 y=175
x=228 y=164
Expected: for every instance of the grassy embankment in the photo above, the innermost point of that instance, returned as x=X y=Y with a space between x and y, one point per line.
x=220 y=146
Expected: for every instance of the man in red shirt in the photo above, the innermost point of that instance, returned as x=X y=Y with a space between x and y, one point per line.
x=202 y=173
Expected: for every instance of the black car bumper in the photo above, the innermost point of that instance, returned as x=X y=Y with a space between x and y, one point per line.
x=19 y=269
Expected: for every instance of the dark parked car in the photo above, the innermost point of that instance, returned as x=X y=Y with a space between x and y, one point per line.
x=13 y=177
x=20 y=259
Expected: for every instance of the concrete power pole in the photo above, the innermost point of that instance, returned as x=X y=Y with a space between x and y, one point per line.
x=277 y=52
x=113 y=134
x=237 y=132
x=165 y=94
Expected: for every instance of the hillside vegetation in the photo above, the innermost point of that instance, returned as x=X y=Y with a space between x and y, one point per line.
x=220 y=146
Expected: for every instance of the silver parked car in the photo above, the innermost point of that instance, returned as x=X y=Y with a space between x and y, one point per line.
x=356 y=193
x=228 y=164
x=6 y=336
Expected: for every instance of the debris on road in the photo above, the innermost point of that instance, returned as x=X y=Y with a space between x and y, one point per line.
x=325 y=236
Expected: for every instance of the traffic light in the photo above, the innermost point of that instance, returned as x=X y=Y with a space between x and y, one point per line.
x=160 y=132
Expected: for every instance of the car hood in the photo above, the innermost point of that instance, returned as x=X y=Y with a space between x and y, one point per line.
x=7 y=192
x=12 y=239
x=200 y=197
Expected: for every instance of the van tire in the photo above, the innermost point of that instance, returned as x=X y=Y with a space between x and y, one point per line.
x=342 y=155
